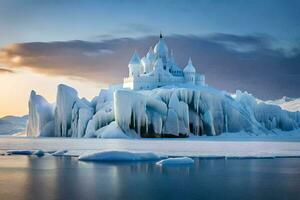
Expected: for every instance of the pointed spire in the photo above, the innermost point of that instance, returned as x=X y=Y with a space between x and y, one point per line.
x=189 y=67
x=150 y=55
x=161 y=48
x=190 y=61
x=160 y=35
x=135 y=59
x=150 y=50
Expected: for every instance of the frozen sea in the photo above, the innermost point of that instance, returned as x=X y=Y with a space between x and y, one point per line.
x=50 y=178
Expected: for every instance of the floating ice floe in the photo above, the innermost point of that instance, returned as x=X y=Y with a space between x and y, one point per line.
x=39 y=153
x=120 y=156
x=59 y=153
x=20 y=152
x=176 y=161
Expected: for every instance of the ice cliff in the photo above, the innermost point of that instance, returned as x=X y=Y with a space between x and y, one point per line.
x=41 y=118
x=162 y=112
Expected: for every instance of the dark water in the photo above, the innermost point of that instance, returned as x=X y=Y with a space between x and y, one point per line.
x=33 y=178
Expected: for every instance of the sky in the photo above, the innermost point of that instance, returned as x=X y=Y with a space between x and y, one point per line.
x=250 y=45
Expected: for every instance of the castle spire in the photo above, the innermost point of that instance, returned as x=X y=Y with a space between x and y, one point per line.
x=190 y=61
x=135 y=59
x=160 y=35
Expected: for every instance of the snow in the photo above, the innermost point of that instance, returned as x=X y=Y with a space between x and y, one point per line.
x=113 y=155
x=10 y=125
x=175 y=161
x=292 y=106
x=286 y=103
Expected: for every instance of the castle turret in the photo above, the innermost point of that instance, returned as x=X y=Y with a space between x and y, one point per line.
x=146 y=65
x=148 y=61
x=161 y=50
x=189 y=72
x=135 y=65
x=158 y=66
x=158 y=70
x=150 y=55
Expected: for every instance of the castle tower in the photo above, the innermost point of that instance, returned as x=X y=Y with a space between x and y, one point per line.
x=135 y=65
x=189 y=72
x=148 y=61
x=158 y=70
x=161 y=51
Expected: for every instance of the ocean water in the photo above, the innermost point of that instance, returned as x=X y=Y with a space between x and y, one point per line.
x=66 y=178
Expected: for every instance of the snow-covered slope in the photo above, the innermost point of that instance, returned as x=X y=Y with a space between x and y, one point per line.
x=292 y=106
x=286 y=103
x=12 y=124
x=170 y=111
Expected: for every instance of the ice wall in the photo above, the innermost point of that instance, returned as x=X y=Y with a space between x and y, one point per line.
x=179 y=111
x=82 y=112
x=40 y=119
x=161 y=112
x=65 y=100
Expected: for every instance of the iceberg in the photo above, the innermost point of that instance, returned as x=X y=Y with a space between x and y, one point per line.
x=111 y=131
x=82 y=112
x=39 y=153
x=175 y=161
x=41 y=116
x=13 y=125
x=66 y=98
x=59 y=153
x=119 y=156
x=20 y=152
x=169 y=111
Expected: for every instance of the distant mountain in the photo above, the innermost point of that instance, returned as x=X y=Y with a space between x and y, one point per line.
x=286 y=103
x=10 y=125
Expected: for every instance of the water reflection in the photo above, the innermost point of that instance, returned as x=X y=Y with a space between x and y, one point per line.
x=67 y=178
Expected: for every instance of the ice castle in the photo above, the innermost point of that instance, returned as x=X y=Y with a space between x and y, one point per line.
x=158 y=68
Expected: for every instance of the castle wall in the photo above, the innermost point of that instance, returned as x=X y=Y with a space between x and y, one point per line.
x=140 y=82
x=200 y=80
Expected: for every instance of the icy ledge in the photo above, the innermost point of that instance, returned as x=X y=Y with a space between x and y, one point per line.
x=175 y=161
x=119 y=156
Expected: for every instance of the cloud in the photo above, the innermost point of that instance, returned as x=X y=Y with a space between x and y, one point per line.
x=229 y=61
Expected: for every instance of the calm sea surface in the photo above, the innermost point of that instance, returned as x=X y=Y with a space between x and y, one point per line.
x=50 y=178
